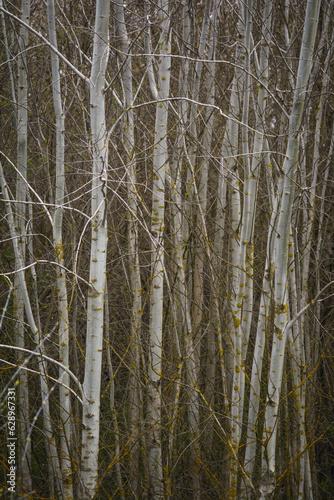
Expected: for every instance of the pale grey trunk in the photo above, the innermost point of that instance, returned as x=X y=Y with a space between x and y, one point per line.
x=259 y=349
x=112 y=400
x=229 y=162
x=180 y=292
x=241 y=308
x=282 y=242
x=320 y=237
x=296 y=353
x=134 y=272
x=63 y=320
x=198 y=247
x=230 y=150
x=202 y=188
x=160 y=158
x=180 y=306
x=245 y=290
x=21 y=196
x=216 y=320
x=214 y=329
x=99 y=238
x=206 y=46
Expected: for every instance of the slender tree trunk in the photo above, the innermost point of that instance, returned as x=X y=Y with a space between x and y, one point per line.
x=112 y=397
x=160 y=158
x=282 y=242
x=197 y=309
x=98 y=256
x=134 y=271
x=214 y=320
x=260 y=342
x=241 y=308
x=245 y=289
x=180 y=291
x=63 y=320
x=230 y=150
x=21 y=196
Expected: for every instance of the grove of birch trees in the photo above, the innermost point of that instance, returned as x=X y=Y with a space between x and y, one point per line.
x=166 y=230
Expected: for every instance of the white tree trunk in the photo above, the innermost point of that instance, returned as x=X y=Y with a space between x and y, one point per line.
x=160 y=158
x=63 y=320
x=99 y=238
x=21 y=196
x=245 y=289
x=241 y=306
x=259 y=349
x=282 y=243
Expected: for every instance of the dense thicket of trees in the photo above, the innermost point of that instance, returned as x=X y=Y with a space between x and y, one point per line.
x=167 y=248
